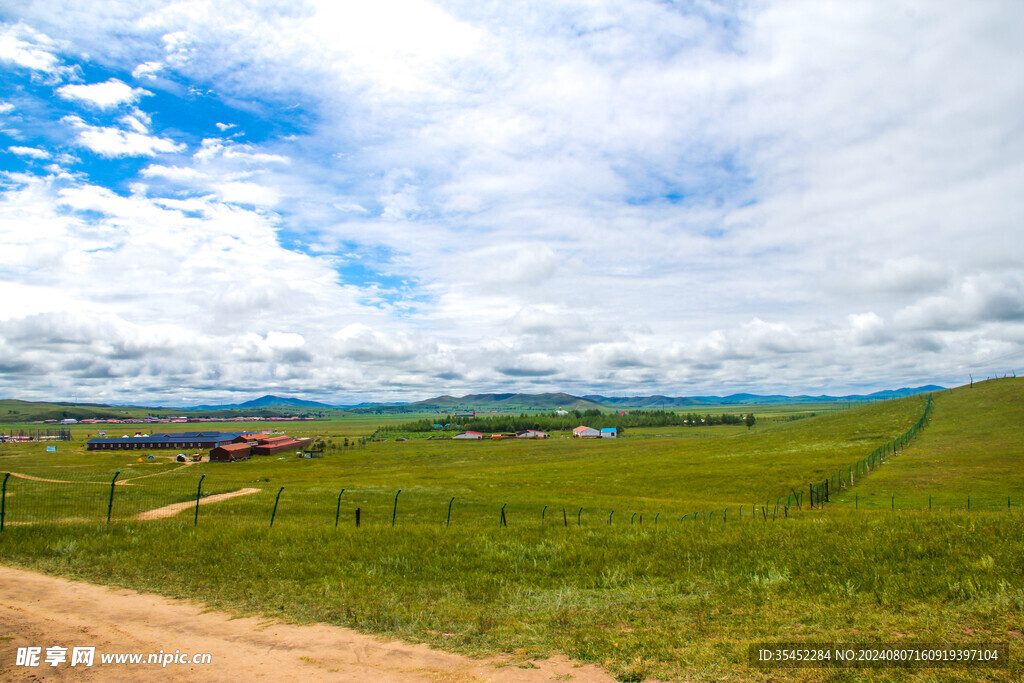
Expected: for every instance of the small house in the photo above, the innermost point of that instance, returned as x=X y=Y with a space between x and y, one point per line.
x=469 y=435
x=584 y=432
x=609 y=432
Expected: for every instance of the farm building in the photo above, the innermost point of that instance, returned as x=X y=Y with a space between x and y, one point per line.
x=277 y=445
x=609 y=432
x=584 y=432
x=145 y=441
x=531 y=434
x=469 y=435
x=231 y=452
x=270 y=440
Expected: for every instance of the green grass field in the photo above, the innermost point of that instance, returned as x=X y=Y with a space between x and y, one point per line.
x=673 y=600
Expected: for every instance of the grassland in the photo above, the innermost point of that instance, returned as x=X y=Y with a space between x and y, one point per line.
x=676 y=600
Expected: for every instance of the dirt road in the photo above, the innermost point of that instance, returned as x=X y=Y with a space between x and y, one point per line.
x=44 y=611
x=175 y=508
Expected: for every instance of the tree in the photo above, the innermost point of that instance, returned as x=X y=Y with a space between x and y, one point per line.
x=749 y=420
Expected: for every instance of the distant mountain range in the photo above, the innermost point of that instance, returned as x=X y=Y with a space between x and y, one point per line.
x=268 y=401
x=668 y=402
x=553 y=401
x=508 y=402
x=19 y=411
x=514 y=402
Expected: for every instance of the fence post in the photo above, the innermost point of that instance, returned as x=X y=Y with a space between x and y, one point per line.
x=504 y=522
x=579 y=514
x=610 y=517
x=394 y=512
x=337 y=512
x=274 y=513
x=3 y=501
x=656 y=519
x=449 y=520
x=632 y=518
x=542 y=513
x=199 y=488
x=110 y=504
x=968 y=502
x=892 y=505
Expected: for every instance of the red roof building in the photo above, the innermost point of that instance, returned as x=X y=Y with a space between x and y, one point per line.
x=230 y=452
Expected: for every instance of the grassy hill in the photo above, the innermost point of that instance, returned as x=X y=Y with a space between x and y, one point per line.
x=14 y=411
x=973 y=446
x=666 y=598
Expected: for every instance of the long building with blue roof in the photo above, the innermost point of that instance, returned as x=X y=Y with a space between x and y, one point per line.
x=169 y=440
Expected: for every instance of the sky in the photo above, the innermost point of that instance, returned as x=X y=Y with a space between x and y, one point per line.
x=347 y=201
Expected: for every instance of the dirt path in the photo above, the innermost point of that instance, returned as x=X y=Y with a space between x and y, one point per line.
x=44 y=611
x=54 y=481
x=122 y=482
x=175 y=508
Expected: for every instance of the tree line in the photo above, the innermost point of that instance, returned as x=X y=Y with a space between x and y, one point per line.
x=553 y=422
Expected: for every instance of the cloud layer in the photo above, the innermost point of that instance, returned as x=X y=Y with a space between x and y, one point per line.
x=202 y=200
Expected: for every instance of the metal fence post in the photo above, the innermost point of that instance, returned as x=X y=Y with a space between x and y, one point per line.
x=274 y=513
x=449 y=520
x=3 y=501
x=394 y=513
x=199 y=488
x=337 y=512
x=110 y=503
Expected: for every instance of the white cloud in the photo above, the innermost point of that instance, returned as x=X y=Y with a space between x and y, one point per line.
x=147 y=70
x=106 y=95
x=33 y=152
x=247 y=193
x=29 y=48
x=115 y=142
x=781 y=195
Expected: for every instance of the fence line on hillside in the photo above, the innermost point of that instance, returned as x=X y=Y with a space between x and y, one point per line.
x=821 y=492
x=818 y=493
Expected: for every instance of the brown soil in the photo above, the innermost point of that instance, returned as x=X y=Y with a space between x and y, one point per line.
x=43 y=611
x=175 y=508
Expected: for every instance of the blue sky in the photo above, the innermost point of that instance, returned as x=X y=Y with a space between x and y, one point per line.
x=203 y=201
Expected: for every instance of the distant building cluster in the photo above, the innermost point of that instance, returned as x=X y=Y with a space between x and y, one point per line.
x=168 y=420
x=581 y=432
x=525 y=434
